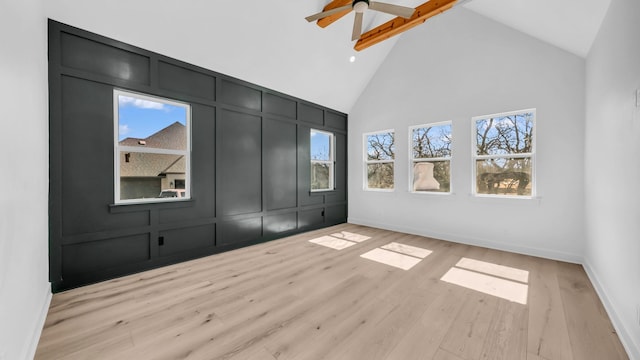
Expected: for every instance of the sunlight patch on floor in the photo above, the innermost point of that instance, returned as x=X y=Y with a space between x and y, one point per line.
x=407 y=250
x=351 y=236
x=494 y=269
x=397 y=255
x=340 y=240
x=331 y=242
x=404 y=262
x=492 y=279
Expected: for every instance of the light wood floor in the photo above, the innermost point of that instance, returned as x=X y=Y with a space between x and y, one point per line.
x=291 y=299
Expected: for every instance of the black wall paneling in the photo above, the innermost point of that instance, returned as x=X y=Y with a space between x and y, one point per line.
x=181 y=80
x=279 y=151
x=94 y=57
x=250 y=163
x=239 y=154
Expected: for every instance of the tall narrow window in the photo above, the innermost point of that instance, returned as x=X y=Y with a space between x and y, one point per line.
x=504 y=154
x=152 y=149
x=379 y=160
x=322 y=163
x=431 y=158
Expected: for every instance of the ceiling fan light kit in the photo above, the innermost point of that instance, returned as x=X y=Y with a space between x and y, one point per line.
x=360 y=6
x=406 y=17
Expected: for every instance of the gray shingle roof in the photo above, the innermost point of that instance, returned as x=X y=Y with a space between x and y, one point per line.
x=141 y=164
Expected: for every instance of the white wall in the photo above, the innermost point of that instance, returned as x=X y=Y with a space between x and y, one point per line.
x=241 y=39
x=24 y=287
x=612 y=168
x=456 y=66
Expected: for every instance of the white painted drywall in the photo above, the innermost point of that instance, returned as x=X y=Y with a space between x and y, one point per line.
x=612 y=168
x=24 y=271
x=268 y=43
x=569 y=24
x=456 y=66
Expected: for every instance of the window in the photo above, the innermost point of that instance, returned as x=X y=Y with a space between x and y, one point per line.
x=152 y=150
x=322 y=150
x=431 y=158
x=379 y=160
x=504 y=154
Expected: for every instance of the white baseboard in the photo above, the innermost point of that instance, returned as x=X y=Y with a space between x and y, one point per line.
x=630 y=344
x=525 y=250
x=30 y=351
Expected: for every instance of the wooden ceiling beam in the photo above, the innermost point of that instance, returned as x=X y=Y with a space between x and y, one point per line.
x=399 y=25
x=326 y=21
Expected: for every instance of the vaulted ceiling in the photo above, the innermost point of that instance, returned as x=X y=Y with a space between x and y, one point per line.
x=269 y=43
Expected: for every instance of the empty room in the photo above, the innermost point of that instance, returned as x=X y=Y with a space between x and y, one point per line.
x=320 y=179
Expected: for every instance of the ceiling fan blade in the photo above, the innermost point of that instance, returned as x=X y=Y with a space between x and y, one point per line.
x=357 y=26
x=402 y=11
x=322 y=14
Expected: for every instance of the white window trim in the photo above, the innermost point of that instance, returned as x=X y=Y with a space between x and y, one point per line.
x=532 y=155
x=331 y=162
x=117 y=148
x=367 y=161
x=413 y=160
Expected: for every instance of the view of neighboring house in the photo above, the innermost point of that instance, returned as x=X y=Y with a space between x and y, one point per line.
x=144 y=174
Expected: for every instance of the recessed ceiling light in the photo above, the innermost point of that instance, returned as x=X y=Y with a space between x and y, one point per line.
x=352 y=58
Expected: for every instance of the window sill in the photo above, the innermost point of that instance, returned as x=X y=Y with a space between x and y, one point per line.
x=434 y=193
x=380 y=190
x=132 y=207
x=321 y=192
x=506 y=198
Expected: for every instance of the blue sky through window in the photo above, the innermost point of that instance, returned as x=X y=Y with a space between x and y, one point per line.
x=320 y=146
x=140 y=118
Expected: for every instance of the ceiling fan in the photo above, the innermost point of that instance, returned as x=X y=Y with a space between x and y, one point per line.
x=359 y=6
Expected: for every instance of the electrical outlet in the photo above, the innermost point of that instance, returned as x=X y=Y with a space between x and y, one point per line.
x=638 y=98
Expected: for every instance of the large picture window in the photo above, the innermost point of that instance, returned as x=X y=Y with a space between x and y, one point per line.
x=322 y=160
x=431 y=157
x=152 y=148
x=504 y=154
x=379 y=160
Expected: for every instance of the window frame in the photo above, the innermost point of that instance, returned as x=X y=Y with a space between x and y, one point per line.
x=365 y=156
x=117 y=148
x=331 y=162
x=475 y=157
x=413 y=160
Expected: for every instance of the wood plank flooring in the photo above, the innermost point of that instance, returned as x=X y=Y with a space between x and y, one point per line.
x=292 y=299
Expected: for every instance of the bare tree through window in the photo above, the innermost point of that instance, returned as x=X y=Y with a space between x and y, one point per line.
x=431 y=158
x=504 y=154
x=380 y=158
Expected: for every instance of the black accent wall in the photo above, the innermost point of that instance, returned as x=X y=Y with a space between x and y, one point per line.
x=250 y=163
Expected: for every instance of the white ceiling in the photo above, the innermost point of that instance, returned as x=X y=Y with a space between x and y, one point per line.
x=269 y=43
x=568 y=24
